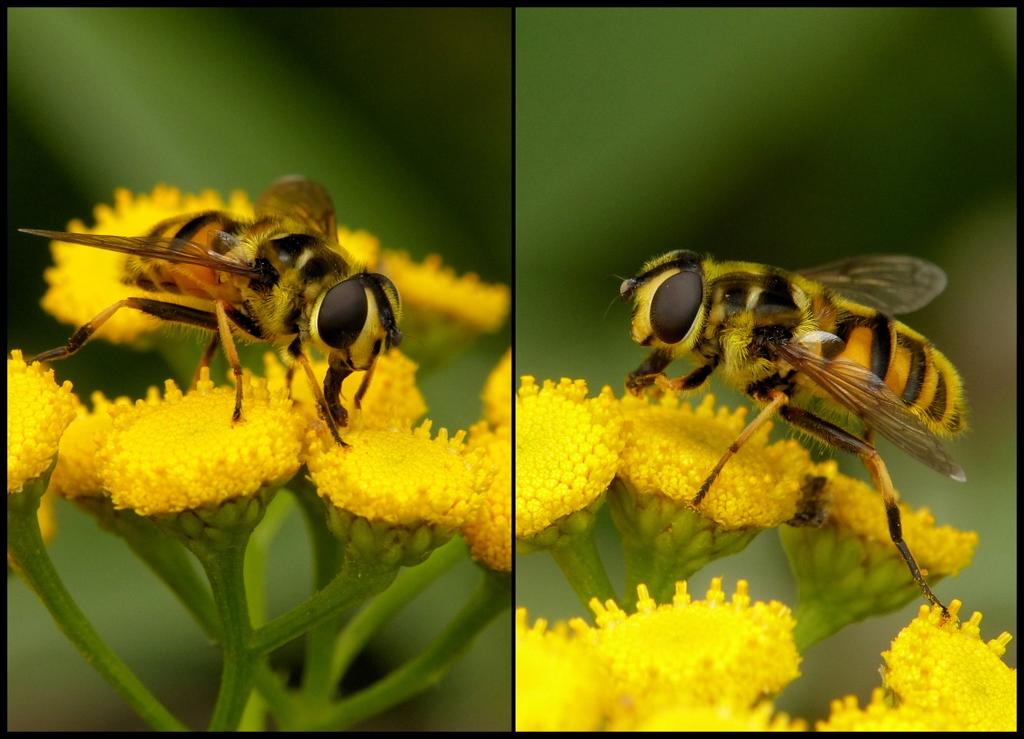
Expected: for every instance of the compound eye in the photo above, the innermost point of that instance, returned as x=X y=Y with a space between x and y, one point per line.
x=342 y=314
x=675 y=305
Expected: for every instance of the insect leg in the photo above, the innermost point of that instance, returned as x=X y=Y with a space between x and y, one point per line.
x=224 y=329
x=643 y=376
x=336 y=374
x=691 y=381
x=364 y=385
x=295 y=349
x=777 y=399
x=157 y=308
x=204 y=361
x=842 y=439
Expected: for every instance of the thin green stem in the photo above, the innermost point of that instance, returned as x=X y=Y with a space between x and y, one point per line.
x=580 y=562
x=380 y=610
x=25 y=546
x=356 y=582
x=492 y=597
x=224 y=563
x=316 y=676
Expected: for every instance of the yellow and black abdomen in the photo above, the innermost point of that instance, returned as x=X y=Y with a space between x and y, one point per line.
x=917 y=372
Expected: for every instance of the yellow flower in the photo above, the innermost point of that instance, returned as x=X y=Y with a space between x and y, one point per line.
x=362 y=246
x=671 y=448
x=675 y=717
x=433 y=293
x=38 y=411
x=489 y=533
x=567 y=451
x=184 y=452
x=77 y=474
x=710 y=652
x=401 y=477
x=393 y=399
x=942 y=550
x=84 y=280
x=561 y=685
x=880 y=715
x=942 y=667
x=498 y=392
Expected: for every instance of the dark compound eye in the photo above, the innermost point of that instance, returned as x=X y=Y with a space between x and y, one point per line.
x=342 y=314
x=675 y=305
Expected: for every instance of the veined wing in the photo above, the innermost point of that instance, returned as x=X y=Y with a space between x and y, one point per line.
x=303 y=203
x=859 y=390
x=891 y=283
x=155 y=247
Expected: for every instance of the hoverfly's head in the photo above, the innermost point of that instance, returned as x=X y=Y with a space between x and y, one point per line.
x=669 y=299
x=357 y=319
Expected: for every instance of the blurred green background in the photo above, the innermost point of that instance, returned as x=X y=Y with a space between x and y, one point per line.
x=405 y=116
x=789 y=137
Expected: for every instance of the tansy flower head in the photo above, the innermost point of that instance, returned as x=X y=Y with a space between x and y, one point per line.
x=489 y=533
x=561 y=684
x=710 y=652
x=942 y=550
x=942 y=667
x=184 y=452
x=77 y=474
x=85 y=280
x=498 y=392
x=393 y=400
x=849 y=569
x=880 y=715
x=401 y=477
x=433 y=294
x=38 y=411
x=567 y=451
x=671 y=448
x=722 y=717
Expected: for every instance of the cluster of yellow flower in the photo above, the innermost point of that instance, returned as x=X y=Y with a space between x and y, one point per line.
x=715 y=664
x=711 y=664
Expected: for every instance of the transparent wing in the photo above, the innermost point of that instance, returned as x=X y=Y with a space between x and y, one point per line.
x=865 y=394
x=891 y=283
x=155 y=247
x=303 y=203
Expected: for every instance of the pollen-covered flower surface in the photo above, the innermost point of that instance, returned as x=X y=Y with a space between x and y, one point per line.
x=567 y=450
x=77 y=473
x=401 y=477
x=489 y=532
x=38 y=412
x=671 y=448
x=710 y=652
x=183 y=451
x=561 y=684
x=393 y=399
x=431 y=289
x=85 y=280
x=941 y=666
x=939 y=549
x=722 y=717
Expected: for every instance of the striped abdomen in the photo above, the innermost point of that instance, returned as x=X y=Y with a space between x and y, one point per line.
x=909 y=364
x=155 y=275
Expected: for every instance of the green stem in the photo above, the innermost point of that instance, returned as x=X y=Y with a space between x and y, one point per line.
x=25 y=546
x=356 y=582
x=316 y=677
x=580 y=562
x=492 y=597
x=224 y=562
x=381 y=609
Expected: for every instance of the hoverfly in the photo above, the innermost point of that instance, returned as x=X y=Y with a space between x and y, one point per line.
x=824 y=334
x=280 y=277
